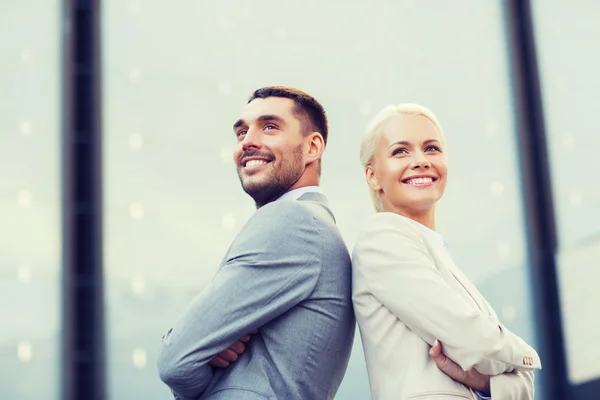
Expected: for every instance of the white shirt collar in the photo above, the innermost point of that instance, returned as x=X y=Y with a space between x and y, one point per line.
x=296 y=193
x=433 y=234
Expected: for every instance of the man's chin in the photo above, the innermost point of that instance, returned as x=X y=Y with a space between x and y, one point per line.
x=261 y=194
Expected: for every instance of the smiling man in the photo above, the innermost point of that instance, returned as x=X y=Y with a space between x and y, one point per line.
x=277 y=320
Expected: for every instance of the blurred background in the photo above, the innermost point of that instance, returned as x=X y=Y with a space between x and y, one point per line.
x=171 y=79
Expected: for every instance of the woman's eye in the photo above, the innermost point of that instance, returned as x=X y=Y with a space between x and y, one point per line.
x=401 y=150
x=432 y=148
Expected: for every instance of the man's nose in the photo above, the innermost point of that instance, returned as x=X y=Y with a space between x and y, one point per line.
x=251 y=140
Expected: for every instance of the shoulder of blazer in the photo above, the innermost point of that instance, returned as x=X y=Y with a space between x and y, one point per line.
x=382 y=227
x=391 y=220
x=282 y=213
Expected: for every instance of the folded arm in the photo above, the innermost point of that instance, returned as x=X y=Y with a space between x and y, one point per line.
x=402 y=275
x=516 y=385
x=273 y=265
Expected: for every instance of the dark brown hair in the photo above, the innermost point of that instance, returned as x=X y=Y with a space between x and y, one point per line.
x=308 y=110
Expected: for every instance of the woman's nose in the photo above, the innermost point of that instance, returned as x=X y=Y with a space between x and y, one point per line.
x=420 y=161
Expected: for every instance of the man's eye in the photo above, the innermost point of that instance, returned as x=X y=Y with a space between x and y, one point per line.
x=270 y=127
x=242 y=132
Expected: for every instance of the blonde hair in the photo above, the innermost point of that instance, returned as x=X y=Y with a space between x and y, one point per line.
x=375 y=129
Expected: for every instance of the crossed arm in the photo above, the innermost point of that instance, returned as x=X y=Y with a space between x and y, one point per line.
x=509 y=385
x=403 y=277
x=272 y=266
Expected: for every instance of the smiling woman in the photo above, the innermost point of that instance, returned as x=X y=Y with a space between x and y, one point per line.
x=404 y=160
x=419 y=316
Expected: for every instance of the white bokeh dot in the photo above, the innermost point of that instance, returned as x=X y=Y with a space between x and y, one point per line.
x=26 y=56
x=135 y=141
x=135 y=75
x=223 y=24
x=25 y=127
x=139 y=358
x=225 y=88
x=491 y=129
x=228 y=221
x=556 y=30
x=362 y=45
x=509 y=313
x=138 y=285
x=136 y=211
x=226 y=154
x=575 y=198
x=568 y=141
x=497 y=188
x=364 y=109
x=24 y=274
x=280 y=33
x=503 y=249
x=135 y=6
x=24 y=351
x=25 y=199
x=563 y=85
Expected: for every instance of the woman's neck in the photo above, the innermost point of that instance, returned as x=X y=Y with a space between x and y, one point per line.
x=424 y=217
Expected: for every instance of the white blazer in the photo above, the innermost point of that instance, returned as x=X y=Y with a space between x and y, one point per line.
x=407 y=292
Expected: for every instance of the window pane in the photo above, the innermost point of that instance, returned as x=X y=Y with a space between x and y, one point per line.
x=175 y=81
x=29 y=200
x=569 y=62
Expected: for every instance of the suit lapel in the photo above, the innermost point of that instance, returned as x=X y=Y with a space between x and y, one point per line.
x=469 y=290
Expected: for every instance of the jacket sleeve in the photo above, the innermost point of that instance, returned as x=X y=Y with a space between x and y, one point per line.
x=402 y=275
x=517 y=385
x=273 y=264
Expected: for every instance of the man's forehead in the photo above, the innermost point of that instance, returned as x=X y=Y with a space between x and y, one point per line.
x=280 y=106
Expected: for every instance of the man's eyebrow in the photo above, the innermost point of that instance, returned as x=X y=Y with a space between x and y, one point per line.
x=265 y=118
x=262 y=118
x=238 y=123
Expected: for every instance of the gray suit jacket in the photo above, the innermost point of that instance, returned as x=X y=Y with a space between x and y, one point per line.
x=287 y=274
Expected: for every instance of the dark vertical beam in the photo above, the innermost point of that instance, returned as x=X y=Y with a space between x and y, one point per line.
x=82 y=320
x=539 y=210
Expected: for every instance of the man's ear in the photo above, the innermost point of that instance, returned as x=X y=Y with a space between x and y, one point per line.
x=371 y=178
x=314 y=148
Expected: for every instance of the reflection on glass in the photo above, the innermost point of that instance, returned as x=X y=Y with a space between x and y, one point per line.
x=29 y=200
x=175 y=79
x=570 y=84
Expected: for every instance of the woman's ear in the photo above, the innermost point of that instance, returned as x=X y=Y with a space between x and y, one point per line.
x=371 y=178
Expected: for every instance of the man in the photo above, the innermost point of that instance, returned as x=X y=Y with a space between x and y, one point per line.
x=284 y=286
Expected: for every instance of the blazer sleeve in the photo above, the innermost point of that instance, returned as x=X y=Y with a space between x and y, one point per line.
x=402 y=275
x=518 y=385
x=273 y=264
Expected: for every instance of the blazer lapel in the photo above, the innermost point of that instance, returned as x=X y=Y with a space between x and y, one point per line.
x=470 y=290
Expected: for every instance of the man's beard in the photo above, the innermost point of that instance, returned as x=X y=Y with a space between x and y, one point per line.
x=277 y=180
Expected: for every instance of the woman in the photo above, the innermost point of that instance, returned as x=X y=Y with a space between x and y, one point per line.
x=413 y=305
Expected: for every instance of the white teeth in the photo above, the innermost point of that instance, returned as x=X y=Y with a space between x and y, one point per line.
x=253 y=163
x=419 y=181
